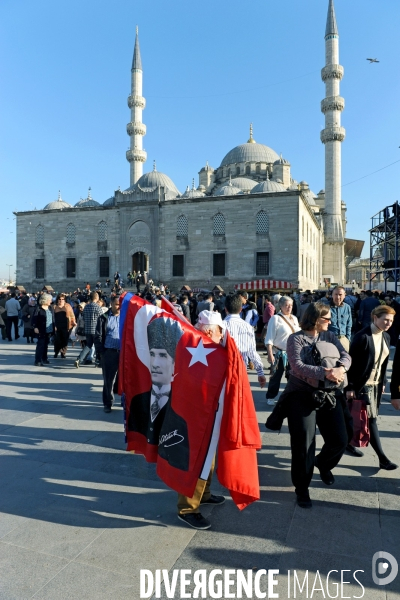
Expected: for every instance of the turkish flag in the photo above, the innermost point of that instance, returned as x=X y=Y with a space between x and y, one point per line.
x=177 y=423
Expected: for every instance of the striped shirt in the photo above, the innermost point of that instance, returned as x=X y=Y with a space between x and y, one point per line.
x=243 y=334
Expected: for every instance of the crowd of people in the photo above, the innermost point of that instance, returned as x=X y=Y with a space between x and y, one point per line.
x=355 y=331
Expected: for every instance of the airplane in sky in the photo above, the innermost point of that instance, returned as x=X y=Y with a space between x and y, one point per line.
x=372 y=60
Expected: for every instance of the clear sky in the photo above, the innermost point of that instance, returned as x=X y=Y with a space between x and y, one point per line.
x=210 y=68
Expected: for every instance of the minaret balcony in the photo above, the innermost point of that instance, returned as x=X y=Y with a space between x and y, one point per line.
x=136 y=155
x=333 y=134
x=136 y=102
x=332 y=72
x=332 y=103
x=136 y=128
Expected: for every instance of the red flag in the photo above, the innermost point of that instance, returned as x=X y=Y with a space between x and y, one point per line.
x=173 y=379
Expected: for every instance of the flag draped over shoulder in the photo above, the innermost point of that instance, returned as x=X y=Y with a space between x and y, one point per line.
x=178 y=424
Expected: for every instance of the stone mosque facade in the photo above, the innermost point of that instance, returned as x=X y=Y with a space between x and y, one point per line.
x=247 y=219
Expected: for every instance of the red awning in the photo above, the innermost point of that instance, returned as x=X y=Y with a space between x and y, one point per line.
x=264 y=284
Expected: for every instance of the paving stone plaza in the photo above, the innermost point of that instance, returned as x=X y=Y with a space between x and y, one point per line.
x=79 y=517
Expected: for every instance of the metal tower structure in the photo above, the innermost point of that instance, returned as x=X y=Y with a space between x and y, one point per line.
x=385 y=246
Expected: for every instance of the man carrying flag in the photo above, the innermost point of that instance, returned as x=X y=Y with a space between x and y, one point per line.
x=185 y=394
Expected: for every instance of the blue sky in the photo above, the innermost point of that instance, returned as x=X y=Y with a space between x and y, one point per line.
x=210 y=68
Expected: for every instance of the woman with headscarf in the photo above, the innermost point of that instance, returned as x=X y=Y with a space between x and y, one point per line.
x=26 y=314
x=64 y=320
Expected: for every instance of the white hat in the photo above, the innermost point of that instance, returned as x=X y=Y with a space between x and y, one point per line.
x=207 y=317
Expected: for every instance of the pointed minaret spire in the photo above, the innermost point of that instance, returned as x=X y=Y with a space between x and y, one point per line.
x=136 y=156
x=332 y=137
x=331 y=25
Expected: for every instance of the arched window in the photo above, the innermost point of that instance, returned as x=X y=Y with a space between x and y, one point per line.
x=219 y=224
x=237 y=170
x=248 y=170
x=71 y=233
x=39 y=234
x=102 y=231
x=262 y=222
x=228 y=173
x=182 y=226
x=302 y=226
x=258 y=169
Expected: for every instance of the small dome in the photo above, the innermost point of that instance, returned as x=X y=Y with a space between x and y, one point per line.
x=294 y=185
x=243 y=183
x=206 y=168
x=268 y=187
x=58 y=204
x=193 y=193
x=227 y=190
x=154 y=179
x=109 y=201
x=85 y=202
x=282 y=161
x=201 y=188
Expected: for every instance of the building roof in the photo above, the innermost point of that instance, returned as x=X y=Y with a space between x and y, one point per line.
x=85 y=202
x=331 y=25
x=58 y=204
x=109 y=201
x=244 y=183
x=250 y=152
x=227 y=189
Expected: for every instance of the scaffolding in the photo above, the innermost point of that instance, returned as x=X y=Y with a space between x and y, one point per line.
x=385 y=247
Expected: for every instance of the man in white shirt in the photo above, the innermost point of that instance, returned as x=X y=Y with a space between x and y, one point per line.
x=12 y=307
x=280 y=327
x=243 y=334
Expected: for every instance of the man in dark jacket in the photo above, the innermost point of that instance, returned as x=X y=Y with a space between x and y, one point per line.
x=366 y=307
x=107 y=343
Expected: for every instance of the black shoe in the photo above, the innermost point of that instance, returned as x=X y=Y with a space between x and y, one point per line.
x=195 y=520
x=39 y=364
x=18 y=336
x=46 y=362
x=388 y=466
x=303 y=500
x=327 y=477
x=354 y=451
x=88 y=362
x=107 y=409
x=214 y=500
x=62 y=355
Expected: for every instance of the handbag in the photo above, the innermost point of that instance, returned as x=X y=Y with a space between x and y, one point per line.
x=361 y=434
x=80 y=331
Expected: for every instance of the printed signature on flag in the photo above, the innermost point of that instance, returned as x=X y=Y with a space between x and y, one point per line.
x=167 y=436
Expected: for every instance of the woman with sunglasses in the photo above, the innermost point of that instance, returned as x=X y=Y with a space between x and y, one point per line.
x=64 y=320
x=303 y=412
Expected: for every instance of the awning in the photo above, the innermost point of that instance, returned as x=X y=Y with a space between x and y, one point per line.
x=264 y=284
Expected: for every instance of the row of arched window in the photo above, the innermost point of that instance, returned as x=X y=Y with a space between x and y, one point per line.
x=182 y=224
x=310 y=236
x=308 y=268
x=71 y=233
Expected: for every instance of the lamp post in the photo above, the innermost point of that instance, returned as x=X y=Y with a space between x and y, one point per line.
x=9 y=275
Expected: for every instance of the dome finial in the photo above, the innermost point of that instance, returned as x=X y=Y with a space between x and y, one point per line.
x=154 y=166
x=59 y=195
x=193 y=183
x=230 y=179
x=251 y=140
x=267 y=175
x=89 y=194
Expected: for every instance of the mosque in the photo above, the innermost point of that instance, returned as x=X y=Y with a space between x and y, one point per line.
x=247 y=218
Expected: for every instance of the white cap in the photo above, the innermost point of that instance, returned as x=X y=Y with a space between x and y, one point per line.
x=207 y=317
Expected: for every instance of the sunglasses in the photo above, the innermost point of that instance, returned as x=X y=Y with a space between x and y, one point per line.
x=326 y=319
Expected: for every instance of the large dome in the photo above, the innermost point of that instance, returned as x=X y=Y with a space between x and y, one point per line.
x=57 y=204
x=250 y=152
x=154 y=179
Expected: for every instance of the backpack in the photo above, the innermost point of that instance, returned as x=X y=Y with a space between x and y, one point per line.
x=324 y=354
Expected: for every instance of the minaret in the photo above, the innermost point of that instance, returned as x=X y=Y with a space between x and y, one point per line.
x=136 y=156
x=332 y=136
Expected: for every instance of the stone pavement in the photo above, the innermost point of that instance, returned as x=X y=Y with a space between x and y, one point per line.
x=79 y=517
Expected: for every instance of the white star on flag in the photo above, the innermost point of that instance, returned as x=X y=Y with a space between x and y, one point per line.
x=199 y=354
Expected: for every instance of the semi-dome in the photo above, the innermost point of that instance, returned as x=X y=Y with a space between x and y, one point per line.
x=243 y=183
x=58 y=204
x=227 y=190
x=109 y=201
x=155 y=179
x=85 y=202
x=268 y=187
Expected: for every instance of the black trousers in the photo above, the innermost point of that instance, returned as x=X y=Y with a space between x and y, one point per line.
x=109 y=365
x=61 y=339
x=9 y=324
x=275 y=380
x=302 y=421
x=41 y=348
